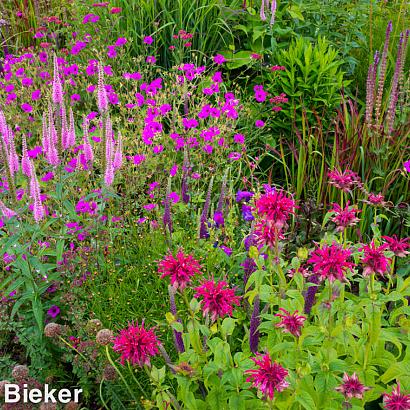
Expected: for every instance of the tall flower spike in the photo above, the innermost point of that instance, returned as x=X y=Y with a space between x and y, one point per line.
x=370 y=84
x=203 y=229
x=262 y=12
x=13 y=157
x=253 y=328
x=102 y=99
x=273 y=12
x=6 y=212
x=109 y=169
x=402 y=89
x=382 y=74
x=38 y=208
x=45 y=135
x=64 y=127
x=167 y=219
x=57 y=93
x=25 y=160
x=117 y=163
x=185 y=171
x=394 y=93
x=71 y=137
x=88 y=149
x=179 y=343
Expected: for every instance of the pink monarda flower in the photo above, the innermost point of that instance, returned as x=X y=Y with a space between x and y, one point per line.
x=291 y=323
x=331 y=262
x=374 y=260
x=397 y=246
x=396 y=400
x=136 y=344
x=218 y=299
x=344 y=181
x=275 y=206
x=268 y=377
x=351 y=387
x=267 y=234
x=180 y=268
x=375 y=199
x=344 y=217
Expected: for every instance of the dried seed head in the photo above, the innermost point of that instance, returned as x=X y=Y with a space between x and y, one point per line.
x=93 y=326
x=109 y=373
x=71 y=406
x=52 y=330
x=20 y=372
x=104 y=337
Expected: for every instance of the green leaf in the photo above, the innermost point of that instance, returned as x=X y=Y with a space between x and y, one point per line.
x=295 y=12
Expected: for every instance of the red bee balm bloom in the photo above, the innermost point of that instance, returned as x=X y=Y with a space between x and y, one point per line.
x=374 y=260
x=218 y=299
x=351 y=387
x=397 y=246
x=292 y=323
x=180 y=268
x=276 y=207
x=269 y=377
x=136 y=344
x=344 y=181
x=344 y=217
x=396 y=400
x=331 y=262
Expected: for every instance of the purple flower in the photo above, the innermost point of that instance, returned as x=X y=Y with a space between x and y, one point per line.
x=244 y=196
x=36 y=95
x=151 y=60
x=54 y=311
x=259 y=123
x=227 y=250
x=407 y=165
x=121 y=41
x=247 y=213
x=148 y=40
x=26 y=107
x=219 y=59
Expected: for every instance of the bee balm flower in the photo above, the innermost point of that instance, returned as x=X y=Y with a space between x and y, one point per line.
x=136 y=344
x=268 y=377
x=351 y=387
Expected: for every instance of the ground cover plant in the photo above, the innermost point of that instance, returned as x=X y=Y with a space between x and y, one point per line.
x=205 y=204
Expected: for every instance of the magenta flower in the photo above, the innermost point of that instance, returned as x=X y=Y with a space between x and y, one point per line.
x=344 y=181
x=26 y=107
x=351 y=387
x=276 y=207
x=218 y=299
x=54 y=311
x=180 y=268
x=374 y=259
x=219 y=59
x=151 y=60
x=266 y=233
x=397 y=246
x=259 y=123
x=407 y=165
x=331 y=262
x=136 y=344
x=291 y=323
x=396 y=400
x=148 y=40
x=268 y=377
x=344 y=217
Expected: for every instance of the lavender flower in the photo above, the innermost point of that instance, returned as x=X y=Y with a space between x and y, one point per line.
x=102 y=99
x=203 y=230
x=179 y=343
x=382 y=74
x=167 y=220
x=117 y=163
x=253 y=328
x=57 y=92
x=273 y=12
x=310 y=294
x=25 y=160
